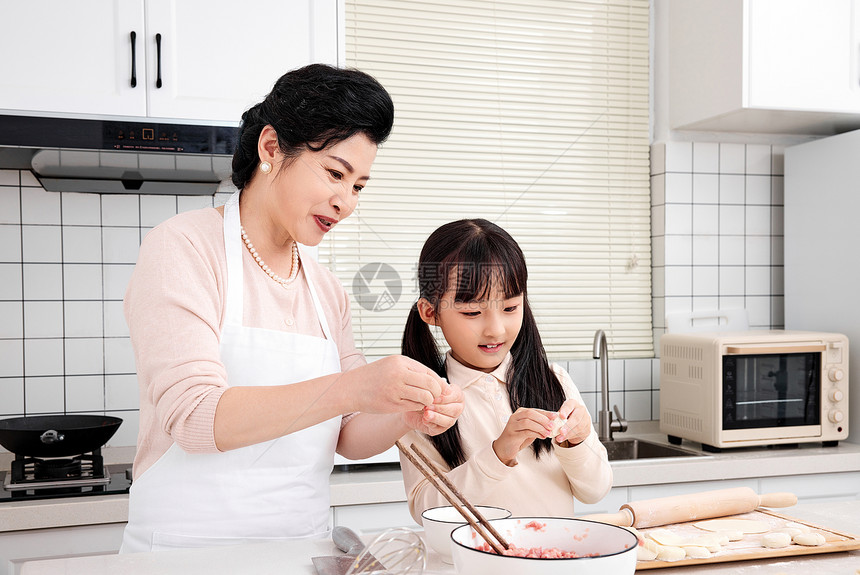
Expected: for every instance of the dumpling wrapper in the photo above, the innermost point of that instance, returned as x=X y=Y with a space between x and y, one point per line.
x=697 y=552
x=732 y=535
x=647 y=550
x=711 y=542
x=557 y=424
x=666 y=537
x=775 y=540
x=742 y=525
x=670 y=553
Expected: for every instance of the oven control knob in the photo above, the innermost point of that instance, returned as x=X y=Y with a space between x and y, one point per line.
x=836 y=395
x=835 y=374
x=836 y=416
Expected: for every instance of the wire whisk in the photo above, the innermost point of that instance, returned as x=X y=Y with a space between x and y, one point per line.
x=396 y=551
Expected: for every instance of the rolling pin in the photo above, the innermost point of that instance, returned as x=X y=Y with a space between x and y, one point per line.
x=692 y=506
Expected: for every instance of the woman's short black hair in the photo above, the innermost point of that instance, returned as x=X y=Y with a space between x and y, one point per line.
x=311 y=108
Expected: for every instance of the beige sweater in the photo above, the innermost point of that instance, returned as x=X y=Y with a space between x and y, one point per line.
x=174 y=307
x=542 y=488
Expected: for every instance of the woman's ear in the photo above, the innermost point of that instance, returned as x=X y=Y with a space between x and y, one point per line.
x=427 y=312
x=267 y=145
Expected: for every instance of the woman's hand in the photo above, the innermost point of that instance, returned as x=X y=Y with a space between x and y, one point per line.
x=523 y=427
x=578 y=425
x=441 y=415
x=394 y=384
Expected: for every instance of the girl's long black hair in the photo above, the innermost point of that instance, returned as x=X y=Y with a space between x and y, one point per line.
x=478 y=256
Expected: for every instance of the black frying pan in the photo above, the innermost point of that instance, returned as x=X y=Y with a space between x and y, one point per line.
x=56 y=435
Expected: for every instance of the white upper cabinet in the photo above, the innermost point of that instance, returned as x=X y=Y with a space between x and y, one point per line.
x=220 y=57
x=71 y=57
x=767 y=66
x=196 y=61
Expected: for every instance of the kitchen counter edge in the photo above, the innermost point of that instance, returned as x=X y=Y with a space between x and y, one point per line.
x=363 y=485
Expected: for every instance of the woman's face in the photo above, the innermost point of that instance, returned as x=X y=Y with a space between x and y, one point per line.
x=310 y=195
x=480 y=333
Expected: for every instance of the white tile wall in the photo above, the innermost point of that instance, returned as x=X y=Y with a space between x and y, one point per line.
x=716 y=243
x=633 y=386
x=65 y=262
x=731 y=224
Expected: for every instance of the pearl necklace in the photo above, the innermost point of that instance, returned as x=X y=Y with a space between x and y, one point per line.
x=294 y=268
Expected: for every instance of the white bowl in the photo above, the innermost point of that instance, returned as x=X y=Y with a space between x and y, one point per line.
x=603 y=549
x=439 y=522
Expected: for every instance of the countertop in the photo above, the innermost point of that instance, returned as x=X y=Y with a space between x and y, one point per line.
x=385 y=485
x=293 y=557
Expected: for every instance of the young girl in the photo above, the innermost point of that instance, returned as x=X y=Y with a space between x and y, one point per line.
x=472 y=286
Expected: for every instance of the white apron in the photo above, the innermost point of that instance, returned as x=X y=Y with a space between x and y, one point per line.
x=273 y=490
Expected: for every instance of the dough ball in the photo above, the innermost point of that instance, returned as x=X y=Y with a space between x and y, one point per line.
x=697 y=552
x=790 y=530
x=732 y=534
x=809 y=539
x=647 y=550
x=775 y=540
x=670 y=553
x=803 y=528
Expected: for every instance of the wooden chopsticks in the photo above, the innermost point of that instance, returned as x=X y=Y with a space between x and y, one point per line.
x=437 y=478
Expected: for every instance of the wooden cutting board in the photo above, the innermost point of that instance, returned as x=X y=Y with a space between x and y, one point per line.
x=750 y=546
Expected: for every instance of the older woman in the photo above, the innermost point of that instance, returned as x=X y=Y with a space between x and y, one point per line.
x=249 y=376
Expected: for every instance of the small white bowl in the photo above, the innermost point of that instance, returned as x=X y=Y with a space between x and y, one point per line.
x=603 y=549
x=439 y=522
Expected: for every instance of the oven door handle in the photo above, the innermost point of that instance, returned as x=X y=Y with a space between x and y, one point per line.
x=762 y=350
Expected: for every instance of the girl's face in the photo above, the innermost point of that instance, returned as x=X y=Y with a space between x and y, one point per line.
x=480 y=333
x=316 y=190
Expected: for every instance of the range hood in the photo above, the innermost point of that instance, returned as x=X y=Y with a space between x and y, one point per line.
x=116 y=156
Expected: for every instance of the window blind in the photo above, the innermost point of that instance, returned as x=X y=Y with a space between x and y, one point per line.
x=531 y=114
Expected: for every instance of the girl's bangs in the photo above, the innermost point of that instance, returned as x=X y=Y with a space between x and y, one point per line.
x=475 y=278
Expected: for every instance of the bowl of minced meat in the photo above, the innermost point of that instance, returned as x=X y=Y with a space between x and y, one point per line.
x=547 y=546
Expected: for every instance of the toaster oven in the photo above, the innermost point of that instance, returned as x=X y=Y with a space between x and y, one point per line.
x=736 y=389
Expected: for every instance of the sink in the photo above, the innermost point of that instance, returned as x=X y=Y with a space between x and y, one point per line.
x=627 y=449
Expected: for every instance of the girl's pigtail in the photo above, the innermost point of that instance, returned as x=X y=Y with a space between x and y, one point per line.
x=532 y=382
x=419 y=344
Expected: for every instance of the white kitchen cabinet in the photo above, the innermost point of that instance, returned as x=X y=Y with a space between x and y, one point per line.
x=374 y=518
x=216 y=57
x=813 y=488
x=71 y=57
x=818 y=488
x=768 y=66
x=611 y=503
x=642 y=492
x=16 y=547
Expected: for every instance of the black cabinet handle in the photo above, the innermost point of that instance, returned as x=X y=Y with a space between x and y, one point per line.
x=158 y=53
x=133 y=37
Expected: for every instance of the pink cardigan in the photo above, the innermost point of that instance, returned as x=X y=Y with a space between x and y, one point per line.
x=174 y=307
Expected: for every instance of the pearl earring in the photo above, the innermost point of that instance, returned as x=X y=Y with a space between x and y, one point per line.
x=265 y=167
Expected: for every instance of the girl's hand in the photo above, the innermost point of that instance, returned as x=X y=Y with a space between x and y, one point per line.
x=394 y=384
x=523 y=427
x=578 y=425
x=441 y=415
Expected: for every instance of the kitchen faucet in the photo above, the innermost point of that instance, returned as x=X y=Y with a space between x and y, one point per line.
x=605 y=424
